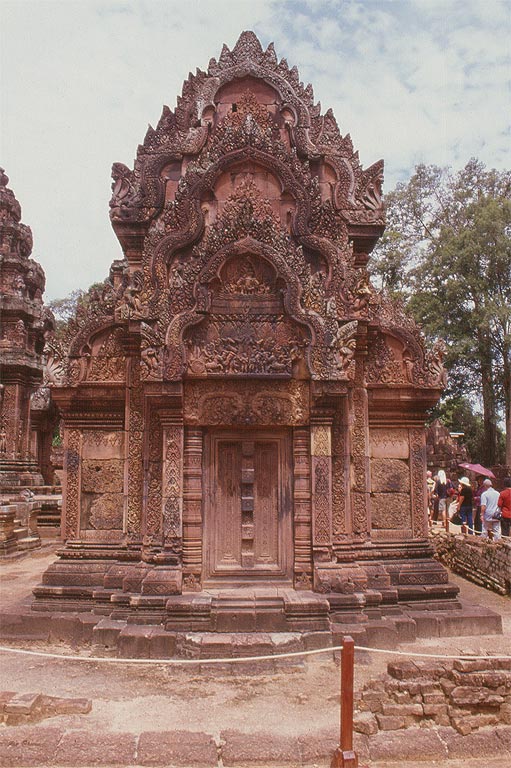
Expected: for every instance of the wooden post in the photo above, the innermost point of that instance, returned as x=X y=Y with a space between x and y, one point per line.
x=344 y=756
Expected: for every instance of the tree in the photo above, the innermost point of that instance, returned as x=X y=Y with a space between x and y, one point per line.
x=69 y=309
x=448 y=252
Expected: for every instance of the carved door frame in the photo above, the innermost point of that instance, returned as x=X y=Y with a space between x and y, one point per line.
x=283 y=572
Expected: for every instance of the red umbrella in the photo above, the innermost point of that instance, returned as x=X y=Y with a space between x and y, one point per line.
x=478 y=469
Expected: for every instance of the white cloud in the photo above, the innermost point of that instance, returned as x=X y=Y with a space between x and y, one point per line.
x=423 y=80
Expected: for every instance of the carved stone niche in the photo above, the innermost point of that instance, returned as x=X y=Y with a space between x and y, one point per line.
x=102 y=484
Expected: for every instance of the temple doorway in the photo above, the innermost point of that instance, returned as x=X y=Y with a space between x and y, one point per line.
x=248 y=507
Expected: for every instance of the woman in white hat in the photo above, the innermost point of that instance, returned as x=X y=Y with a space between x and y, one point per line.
x=465 y=502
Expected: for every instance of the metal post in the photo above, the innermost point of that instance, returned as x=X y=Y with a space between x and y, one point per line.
x=344 y=756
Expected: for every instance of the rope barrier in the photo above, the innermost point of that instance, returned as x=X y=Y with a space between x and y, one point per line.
x=238 y=659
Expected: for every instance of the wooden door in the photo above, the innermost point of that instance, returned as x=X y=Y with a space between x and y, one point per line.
x=248 y=521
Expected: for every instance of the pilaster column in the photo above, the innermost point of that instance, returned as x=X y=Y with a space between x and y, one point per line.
x=360 y=502
x=192 y=508
x=134 y=446
x=418 y=499
x=321 y=461
x=302 y=508
x=172 y=481
x=71 y=491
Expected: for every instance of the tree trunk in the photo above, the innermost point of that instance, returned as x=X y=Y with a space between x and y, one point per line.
x=506 y=379
x=488 y=395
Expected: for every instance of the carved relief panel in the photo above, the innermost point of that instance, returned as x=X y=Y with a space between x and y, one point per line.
x=247 y=332
x=102 y=483
x=390 y=482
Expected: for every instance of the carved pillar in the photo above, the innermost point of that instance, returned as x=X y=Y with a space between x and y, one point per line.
x=418 y=483
x=341 y=526
x=172 y=482
x=135 y=445
x=9 y=422
x=192 y=508
x=302 y=509
x=154 y=479
x=71 y=491
x=360 y=503
x=321 y=461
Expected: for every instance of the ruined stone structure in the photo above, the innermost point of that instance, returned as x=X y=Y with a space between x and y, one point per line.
x=24 y=323
x=443 y=451
x=242 y=409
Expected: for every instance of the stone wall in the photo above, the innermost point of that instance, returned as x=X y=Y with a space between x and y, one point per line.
x=463 y=694
x=484 y=562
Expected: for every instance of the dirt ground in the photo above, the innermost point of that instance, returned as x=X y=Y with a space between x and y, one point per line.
x=136 y=698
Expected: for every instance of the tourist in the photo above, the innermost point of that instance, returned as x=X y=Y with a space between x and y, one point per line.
x=465 y=502
x=430 y=487
x=477 y=503
x=441 y=491
x=504 y=503
x=489 y=510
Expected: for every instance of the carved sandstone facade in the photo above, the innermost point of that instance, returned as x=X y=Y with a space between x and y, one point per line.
x=241 y=408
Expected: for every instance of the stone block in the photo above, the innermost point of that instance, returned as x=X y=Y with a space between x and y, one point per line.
x=417 y=745
x=504 y=737
x=81 y=748
x=134 y=642
x=430 y=710
x=54 y=705
x=403 y=710
x=390 y=511
x=467 y=745
x=28 y=745
x=390 y=722
x=390 y=476
x=25 y=626
x=66 y=627
x=107 y=631
x=471 y=696
x=163 y=581
x=505 y=713
x=88 y=622
x=162 y=644
x=365 y=722
x=177 y=748
x=402 y=670
x=5 y=697
x=22 y=708
x=318 y=746
x=259 y=749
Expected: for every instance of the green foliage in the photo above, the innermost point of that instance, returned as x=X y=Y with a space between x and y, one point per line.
x=71 y=307
x=447 y=252
x=458 y=415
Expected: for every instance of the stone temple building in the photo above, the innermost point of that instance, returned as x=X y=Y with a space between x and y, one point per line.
x=24 y=325
x=244 y=414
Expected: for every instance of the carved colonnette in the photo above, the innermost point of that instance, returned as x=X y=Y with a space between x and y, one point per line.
x=192 y=508
x=302 y=509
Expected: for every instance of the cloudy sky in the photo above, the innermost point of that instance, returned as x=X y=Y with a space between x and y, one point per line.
x=411 y=80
